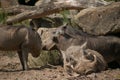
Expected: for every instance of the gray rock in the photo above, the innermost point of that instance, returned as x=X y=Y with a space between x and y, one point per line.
x=87 y=3
x=101 y=20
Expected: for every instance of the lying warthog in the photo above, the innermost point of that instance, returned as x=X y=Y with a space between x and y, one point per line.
x=22 y=39
x=66 y=36
x=79 y=60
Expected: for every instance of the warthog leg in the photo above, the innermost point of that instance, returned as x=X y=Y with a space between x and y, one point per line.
x=20 y=57
x=23 y=55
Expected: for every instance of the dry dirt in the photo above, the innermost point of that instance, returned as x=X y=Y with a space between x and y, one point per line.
x=10 y=69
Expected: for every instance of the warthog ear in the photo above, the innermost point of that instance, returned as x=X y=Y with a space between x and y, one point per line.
x=64 y=26
x=92 y=58
x=94 y=61
x=62 y=29
x=41 y=32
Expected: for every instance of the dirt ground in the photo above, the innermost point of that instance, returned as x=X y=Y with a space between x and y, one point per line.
x=10 y=69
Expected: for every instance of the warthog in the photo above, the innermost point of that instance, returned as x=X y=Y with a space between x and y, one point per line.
x=21 y=39
x=79 y=60
x=66 y=36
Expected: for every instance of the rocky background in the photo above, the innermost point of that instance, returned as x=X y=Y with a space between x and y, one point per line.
x=95 y=17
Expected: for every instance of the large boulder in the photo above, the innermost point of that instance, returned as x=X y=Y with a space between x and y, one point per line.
x=101 y=20
x=85 y=3
x=58 y=19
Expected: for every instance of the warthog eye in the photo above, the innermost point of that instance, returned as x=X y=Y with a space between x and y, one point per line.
x=55 y=39
x=53 y=32
x=71 y=59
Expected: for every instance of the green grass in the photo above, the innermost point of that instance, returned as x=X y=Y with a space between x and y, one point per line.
x=118 y=77
x=65 y=14
x=3 y=16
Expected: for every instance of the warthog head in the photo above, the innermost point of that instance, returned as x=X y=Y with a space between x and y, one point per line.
x=47 y=35
x=80 y=61
x=51 y=36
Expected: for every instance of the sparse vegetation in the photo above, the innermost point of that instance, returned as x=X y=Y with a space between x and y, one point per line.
x=3 y=16
x=118 y=77
x=65 y=15
x=46 y=57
